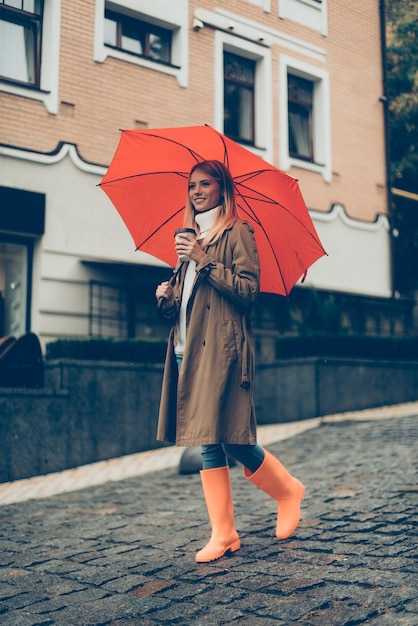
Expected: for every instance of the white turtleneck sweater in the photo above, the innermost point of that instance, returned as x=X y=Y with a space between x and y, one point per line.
x=205 y=221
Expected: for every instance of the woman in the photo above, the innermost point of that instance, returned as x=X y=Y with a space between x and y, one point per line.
x=207 y=392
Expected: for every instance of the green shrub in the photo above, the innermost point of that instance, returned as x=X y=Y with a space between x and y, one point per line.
x=131 y=350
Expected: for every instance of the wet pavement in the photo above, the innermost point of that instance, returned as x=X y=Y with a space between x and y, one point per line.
x=121 y=551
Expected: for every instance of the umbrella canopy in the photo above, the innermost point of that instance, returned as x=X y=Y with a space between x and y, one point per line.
x=147 y=183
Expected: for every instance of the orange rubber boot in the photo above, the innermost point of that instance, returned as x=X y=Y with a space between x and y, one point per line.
x=274 y=479
x=218 y=495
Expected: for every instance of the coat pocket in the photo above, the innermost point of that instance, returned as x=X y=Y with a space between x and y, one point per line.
x=231 y=339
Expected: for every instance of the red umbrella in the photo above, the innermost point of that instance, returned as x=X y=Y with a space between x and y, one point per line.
x=147 y=183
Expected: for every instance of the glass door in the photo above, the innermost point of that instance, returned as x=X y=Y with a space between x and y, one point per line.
x=13 y=288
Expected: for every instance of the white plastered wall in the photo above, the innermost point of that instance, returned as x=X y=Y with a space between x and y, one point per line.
x=80 y=224
x=358 y=261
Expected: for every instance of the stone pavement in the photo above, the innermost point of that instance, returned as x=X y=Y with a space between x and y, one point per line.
x=121 y=551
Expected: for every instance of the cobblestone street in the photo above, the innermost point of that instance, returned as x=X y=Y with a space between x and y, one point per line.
x=122 y=552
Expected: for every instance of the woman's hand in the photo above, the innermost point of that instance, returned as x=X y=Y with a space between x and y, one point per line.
x=165 y=294
x=190 y=247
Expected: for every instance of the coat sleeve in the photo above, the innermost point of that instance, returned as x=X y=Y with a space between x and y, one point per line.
x=239 y=283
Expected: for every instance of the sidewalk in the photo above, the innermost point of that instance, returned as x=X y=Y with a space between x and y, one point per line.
x=114 y=543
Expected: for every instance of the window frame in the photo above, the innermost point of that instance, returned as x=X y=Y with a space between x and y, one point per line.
x=30 y=22
x=168 y=16
x=47 y=89
x=144 y=27
x=263 y=112
x=310 y=13
x=321 y=117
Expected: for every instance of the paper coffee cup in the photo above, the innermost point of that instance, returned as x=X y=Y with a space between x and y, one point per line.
x=183 y=231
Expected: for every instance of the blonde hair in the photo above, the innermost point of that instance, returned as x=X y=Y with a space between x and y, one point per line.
x=228 y=212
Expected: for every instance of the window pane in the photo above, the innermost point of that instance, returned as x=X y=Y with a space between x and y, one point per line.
x=17 y=52
x=110 y=32
x=300 y=110
x=299 y=135
x=131 y=39
x=159 y=48
x=238 y=113
x=16 y=4
x=32 y=6
x=108 y=310
x=239 y=69
x=300 y=90
x=246 y=114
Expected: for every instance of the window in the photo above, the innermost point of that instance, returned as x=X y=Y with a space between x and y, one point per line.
x=239 y=81
x=120 y=311
x=305 y=117
x=29 y=50
x=108 y=310
x=310 y=13
x=137 y=37
x=21 y=40
x=243 y=93
x=300 y=101
x=152 y=33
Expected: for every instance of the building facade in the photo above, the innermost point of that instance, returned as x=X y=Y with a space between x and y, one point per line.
x=298 y=82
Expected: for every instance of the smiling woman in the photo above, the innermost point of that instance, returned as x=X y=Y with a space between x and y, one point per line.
x=207 y=392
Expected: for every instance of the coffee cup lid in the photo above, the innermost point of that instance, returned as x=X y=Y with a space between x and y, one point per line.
x=185 y=230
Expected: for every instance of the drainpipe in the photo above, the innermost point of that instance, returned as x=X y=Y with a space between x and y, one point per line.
x=385 y=102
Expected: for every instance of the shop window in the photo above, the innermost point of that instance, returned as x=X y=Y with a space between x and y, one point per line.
x=21 y=40
x=15 y=262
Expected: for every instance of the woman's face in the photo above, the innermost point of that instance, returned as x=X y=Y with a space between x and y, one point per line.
x=204 y=191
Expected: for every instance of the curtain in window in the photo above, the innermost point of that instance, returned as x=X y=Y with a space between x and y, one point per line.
x=299 y=130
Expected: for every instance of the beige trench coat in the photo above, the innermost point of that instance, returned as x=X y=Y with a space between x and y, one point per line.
x=211 y=401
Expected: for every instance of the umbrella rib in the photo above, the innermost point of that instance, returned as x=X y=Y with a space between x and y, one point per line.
x=198 y=157
x=159 y=173
x=268 y=200
x=220 y=136
x=172 y=216
x=271 y=247
x=246 y=208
